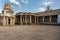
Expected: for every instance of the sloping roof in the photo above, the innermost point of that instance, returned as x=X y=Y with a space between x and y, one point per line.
x=47 y=13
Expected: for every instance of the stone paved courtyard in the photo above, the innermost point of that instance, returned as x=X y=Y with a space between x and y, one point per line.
x=30 y=32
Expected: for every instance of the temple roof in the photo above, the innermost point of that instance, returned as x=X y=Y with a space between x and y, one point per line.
x=46 y=13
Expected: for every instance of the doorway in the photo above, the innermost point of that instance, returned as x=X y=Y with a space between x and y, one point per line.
x=9 y=21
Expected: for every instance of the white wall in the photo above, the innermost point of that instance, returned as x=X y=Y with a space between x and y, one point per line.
x=58 y=19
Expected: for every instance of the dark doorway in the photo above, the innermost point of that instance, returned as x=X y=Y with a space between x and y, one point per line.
x=54 y=18
x=9 y=21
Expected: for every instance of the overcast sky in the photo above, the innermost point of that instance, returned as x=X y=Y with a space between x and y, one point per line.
x=30 y=5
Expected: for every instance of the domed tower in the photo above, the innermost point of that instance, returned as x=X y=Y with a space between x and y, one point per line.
x=7 y=11
x=7 y=6
x=8 y=15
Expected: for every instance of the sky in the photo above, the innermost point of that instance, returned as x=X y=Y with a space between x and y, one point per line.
x=30 y=5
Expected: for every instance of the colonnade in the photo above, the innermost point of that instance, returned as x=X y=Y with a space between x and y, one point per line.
x=52 y=19
x=26 y=19
x=32 y=19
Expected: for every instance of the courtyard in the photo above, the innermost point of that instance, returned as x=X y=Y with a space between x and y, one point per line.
x=30 y=32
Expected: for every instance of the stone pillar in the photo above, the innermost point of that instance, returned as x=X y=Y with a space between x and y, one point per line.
x=10 y=21
x=35 y=19
x=43 y=19
x=18 y=20
x=21 y=19
x=4 y=21
x=50 y=19
x=7 y=21
x=25 y=19
x=13 y=21
x=30 y=20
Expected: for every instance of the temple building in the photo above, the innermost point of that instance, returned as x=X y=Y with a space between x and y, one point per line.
x=7 y=16
x=49 y=16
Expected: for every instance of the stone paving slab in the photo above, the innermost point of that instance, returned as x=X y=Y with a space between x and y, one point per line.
x=30 y=32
